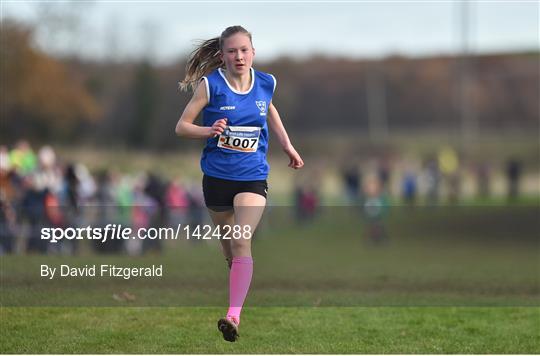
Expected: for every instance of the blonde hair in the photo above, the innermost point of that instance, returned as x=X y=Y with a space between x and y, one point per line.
x=205 y=58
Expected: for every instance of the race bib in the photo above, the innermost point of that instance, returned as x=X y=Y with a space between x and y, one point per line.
x=240 y=138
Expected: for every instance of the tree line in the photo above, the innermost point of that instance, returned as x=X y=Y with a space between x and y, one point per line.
x=137 y=104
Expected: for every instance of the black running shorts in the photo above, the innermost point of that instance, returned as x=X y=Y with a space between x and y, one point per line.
x=219 y=193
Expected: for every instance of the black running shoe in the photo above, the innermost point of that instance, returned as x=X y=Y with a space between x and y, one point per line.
x=229 y=329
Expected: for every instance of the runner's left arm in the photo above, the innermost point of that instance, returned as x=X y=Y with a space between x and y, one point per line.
x=275 y=123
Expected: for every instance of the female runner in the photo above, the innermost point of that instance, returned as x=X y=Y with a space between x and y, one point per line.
x=236 y=101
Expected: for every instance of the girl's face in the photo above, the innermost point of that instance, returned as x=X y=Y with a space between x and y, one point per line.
x=237 y=54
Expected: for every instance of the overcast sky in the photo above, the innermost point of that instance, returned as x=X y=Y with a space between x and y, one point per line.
x=166 y=30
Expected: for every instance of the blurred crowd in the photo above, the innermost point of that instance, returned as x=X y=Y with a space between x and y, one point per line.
x=373 y=186
x=37 y=190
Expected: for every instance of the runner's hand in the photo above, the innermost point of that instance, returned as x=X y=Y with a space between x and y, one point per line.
x=295 y=161
x=218 y=127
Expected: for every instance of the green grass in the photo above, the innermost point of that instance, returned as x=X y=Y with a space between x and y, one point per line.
x=449 y=280
x=272 y=330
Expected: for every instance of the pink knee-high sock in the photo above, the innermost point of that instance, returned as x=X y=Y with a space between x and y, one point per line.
x=239 y=281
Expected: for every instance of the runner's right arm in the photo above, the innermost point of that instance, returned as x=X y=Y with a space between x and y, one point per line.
x=185 y=126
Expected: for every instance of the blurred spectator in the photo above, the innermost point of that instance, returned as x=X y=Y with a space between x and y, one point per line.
x=483 y=180
x=71 y=188
x=7 y=226
x=5 y=162
x=514 y=170
x=197 y=208
x=7 y=195
x=22 y=158
x=384 y=172
x=144 y=208
x=33 y=212
x=106 y=211
x=375 y=209
x=155 y=189
x=177 y=202
x=307 y=200
x=70 y=203
x=87 y=184
x=409 y=187
x=48 y=180
x=47 y=175
x=449 y=165
x=352 y=180
x=123 y=195
x=432 y=177
x=10 y=181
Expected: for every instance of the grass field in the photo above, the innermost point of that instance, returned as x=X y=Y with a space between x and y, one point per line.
x=449 y=280
x=273 y=330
